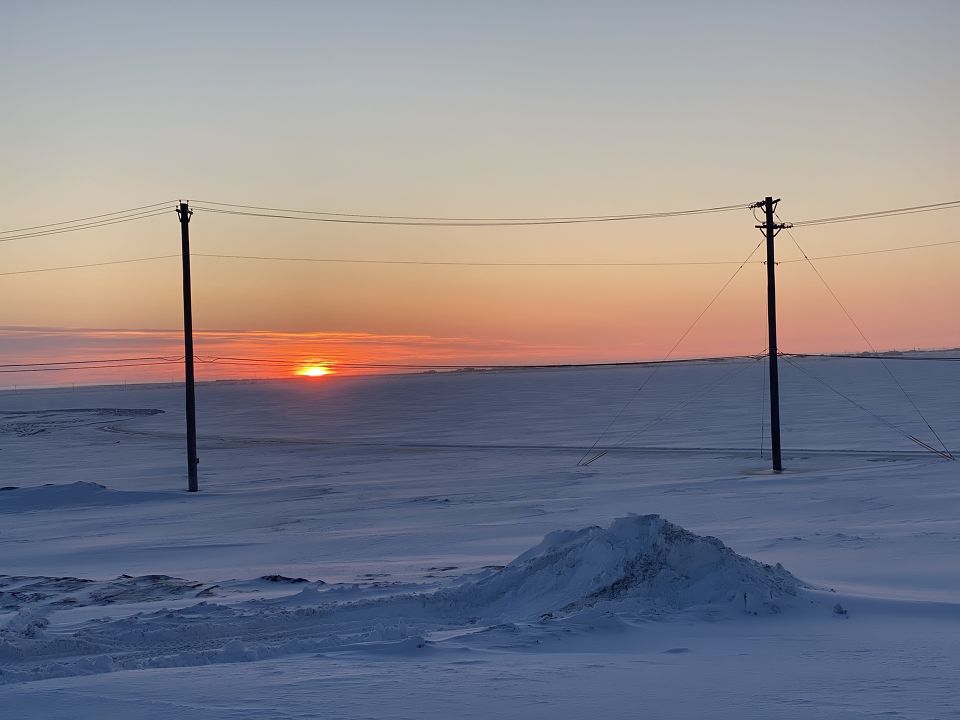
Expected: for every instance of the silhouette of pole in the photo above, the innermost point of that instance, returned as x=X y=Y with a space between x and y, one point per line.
x=185 y=213
x=771 y=229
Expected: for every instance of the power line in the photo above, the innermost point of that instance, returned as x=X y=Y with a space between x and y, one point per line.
x=87 y=226
x=438 y=263
x=544 y=366
x=933 y=207
x=592 y=450
x=91 y=367
x=289 y=362
x=942 y=453
x=462 y=366
x=509 y=220
x=470 y=263
x=152 y=210
x=869 y=344
x=863 y=356
x=88 y=265
x=696 y=395
x=83 y=219
x=440 y=222
x=165 y=358
x=873 y=252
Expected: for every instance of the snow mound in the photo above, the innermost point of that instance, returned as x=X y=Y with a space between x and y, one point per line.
x=75 y=494
x=638 y=558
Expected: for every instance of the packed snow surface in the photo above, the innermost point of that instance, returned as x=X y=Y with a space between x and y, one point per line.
x=428 y=546
x=77 y=494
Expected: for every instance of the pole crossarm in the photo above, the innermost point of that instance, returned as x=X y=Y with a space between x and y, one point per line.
x=777 y=227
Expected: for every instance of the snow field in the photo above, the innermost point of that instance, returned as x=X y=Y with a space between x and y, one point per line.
x=424 y=546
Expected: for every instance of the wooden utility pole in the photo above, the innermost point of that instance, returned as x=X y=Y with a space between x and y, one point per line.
x=185 y=213
x=771 y=229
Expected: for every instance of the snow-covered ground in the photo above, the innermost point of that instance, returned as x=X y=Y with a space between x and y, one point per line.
x=375 y=548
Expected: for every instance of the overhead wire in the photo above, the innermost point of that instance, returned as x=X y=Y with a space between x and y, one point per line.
x=463 y=263
x=859 y=330
x=432 y=219
x=911 y=210
x=88 y=265
x=697 y=394
x=165 y=358
x=86 y=226
x=945 y=453
x=457 y=366
x=683 y=336
x=466 y=263
x=871 y=252
x=89 y=367
x=287 y=362
x=148 y=211
x=881 y=356
x=465 y=222
x=84 y=219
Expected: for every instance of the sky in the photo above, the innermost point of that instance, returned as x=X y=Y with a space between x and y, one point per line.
x=470 y=109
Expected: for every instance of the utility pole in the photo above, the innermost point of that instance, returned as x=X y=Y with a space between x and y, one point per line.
x=185 y=214
x=770 y=230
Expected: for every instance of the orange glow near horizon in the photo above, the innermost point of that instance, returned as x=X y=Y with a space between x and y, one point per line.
x=314 y=371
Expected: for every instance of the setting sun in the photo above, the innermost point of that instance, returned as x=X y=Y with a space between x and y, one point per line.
x=314 y=371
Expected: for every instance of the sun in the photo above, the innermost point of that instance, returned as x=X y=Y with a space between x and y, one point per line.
x=314 y=371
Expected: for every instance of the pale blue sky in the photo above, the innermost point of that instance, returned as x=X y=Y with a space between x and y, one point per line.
x=481 y=105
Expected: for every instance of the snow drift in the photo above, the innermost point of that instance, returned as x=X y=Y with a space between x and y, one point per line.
x=638 y=558
x=640 y=563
